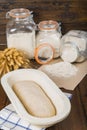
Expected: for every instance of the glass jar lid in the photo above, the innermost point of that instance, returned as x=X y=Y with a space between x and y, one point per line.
x=48 y=25
x=19 y=13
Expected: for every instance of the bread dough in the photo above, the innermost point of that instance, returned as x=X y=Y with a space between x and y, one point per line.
x=34 y=99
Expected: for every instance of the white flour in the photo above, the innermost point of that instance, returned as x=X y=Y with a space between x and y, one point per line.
x=79 y=39
x=69 y=53
x=61 y=69
x=52 y=38
x=23 y=41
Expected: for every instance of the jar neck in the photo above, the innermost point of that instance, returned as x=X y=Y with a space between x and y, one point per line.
x=29 y=18
x=49 y=26
x=48 y=31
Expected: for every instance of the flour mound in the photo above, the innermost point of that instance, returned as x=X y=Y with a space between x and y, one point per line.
x=61 y=69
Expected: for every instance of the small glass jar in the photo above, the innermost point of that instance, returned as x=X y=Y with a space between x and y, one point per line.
x=74 y=46
x=20 y=31
x=50 y=33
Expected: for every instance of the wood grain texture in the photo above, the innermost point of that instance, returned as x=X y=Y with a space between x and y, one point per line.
x=71 y=13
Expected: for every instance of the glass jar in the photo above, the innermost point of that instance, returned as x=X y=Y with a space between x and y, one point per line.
x=49 y=33
x=74 y=46
x=20 y=31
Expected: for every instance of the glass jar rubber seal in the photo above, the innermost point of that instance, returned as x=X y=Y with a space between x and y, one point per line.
x=44 y=53
x=18 y=13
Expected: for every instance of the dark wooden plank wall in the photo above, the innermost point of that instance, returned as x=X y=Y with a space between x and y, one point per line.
x=71 y=13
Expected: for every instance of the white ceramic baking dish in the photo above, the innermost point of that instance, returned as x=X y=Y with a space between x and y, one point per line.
x=60 y=101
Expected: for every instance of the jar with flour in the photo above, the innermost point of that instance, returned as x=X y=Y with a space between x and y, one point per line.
x=74 y=46
x=20 y=31
x=49 y=33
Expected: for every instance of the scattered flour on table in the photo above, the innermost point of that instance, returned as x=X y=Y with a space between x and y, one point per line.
x=61 y=69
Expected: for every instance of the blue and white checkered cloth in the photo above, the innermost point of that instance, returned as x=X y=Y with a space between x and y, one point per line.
x=9 y=119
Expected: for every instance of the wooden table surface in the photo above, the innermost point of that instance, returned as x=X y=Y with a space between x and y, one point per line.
x=77 y=119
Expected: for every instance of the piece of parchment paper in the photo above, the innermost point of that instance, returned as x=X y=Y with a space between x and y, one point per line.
x=68 y=83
